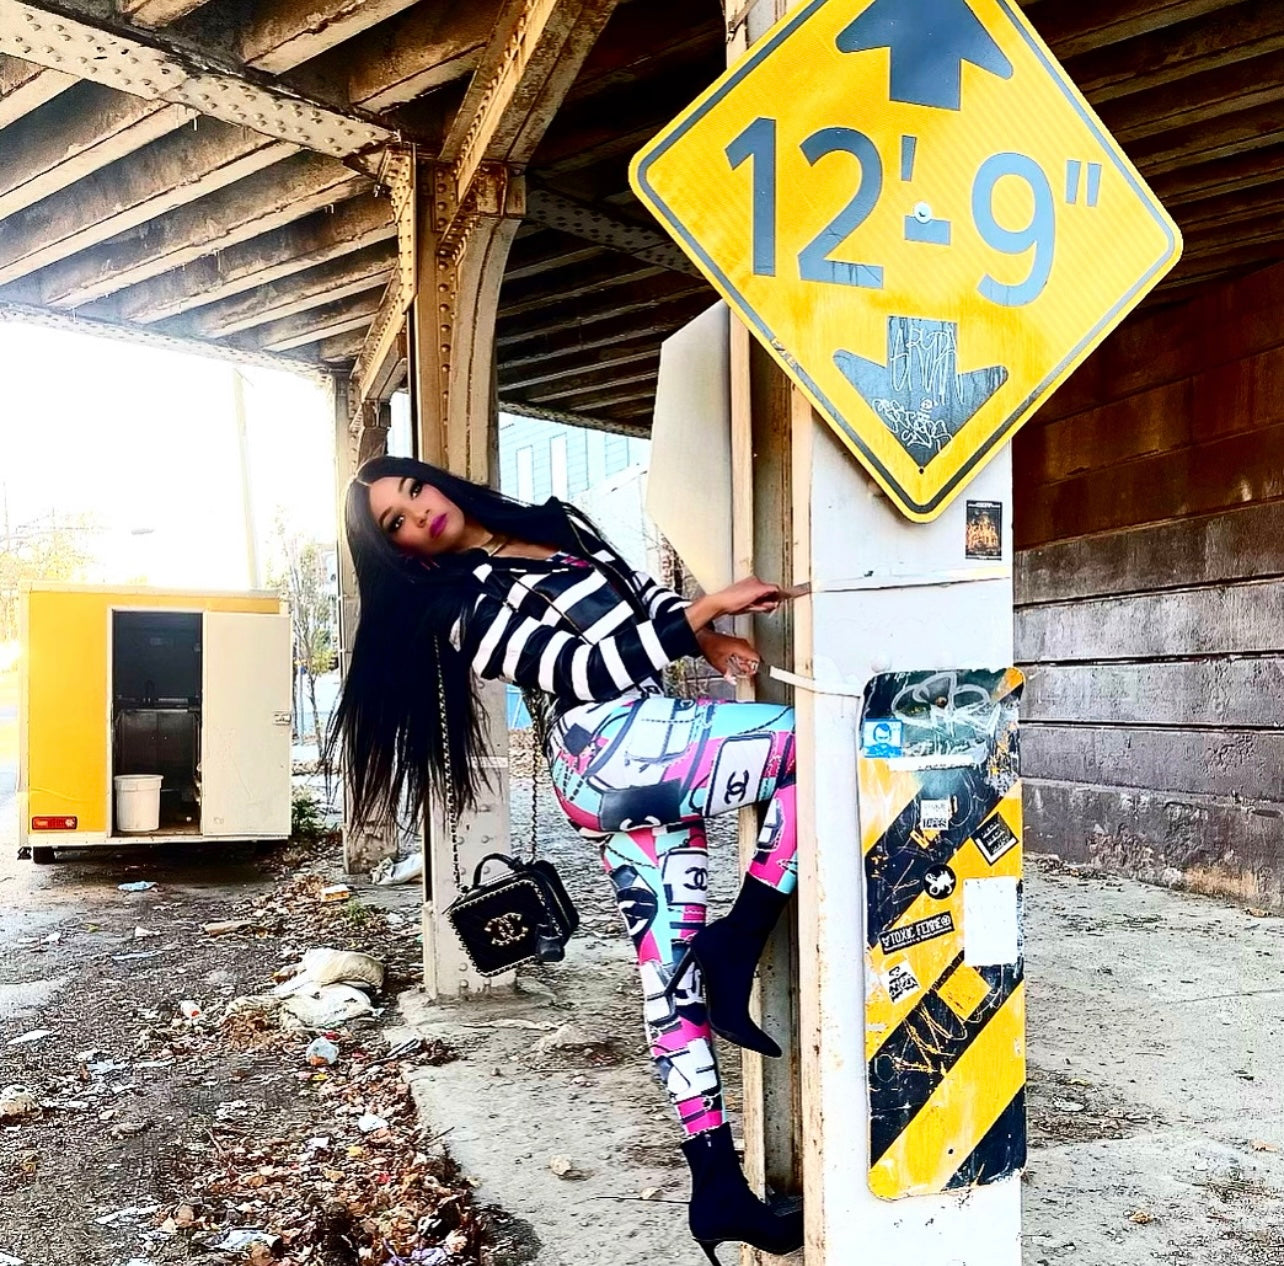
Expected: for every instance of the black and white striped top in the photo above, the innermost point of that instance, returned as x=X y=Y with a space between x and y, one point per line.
x=560 y=626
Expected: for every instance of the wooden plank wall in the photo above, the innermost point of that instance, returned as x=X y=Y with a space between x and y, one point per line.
x=1149 y=525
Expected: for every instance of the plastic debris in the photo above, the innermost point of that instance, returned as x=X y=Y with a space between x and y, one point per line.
x=54 y=938
x=336 y=892
x=139 y=885
x=238 y=1238
x=190 y=1009
x=333 y=967
x=321 y=1052
x=36 y=1035
x=134 y=1213
x=368 y=1123
x=142 y=934
x=325 y=1007
x=17 y=1102
x=392 y=870
x=399 y=1050
x=6 y=1259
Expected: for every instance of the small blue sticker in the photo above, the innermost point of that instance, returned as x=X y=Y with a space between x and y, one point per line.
x=881 y=738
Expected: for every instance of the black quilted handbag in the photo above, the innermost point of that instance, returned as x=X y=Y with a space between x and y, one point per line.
x=522 y=916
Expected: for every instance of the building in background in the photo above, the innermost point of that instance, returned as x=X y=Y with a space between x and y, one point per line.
x=603 y=474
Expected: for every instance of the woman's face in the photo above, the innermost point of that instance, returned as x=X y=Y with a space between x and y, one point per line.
x=416 y=517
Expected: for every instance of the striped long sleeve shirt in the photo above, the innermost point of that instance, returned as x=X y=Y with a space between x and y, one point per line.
x=562 y=627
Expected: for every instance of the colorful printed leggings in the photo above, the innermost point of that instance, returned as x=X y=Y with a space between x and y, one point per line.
x=645 y=773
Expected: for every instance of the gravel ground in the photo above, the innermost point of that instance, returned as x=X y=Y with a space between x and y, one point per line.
x=147 y=1115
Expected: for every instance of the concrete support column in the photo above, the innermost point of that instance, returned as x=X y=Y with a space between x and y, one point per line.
x=460 y=269
x=356 y=439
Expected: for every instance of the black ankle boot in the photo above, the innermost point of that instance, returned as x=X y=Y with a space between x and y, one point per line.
x=722 y=1206
x=727 y=953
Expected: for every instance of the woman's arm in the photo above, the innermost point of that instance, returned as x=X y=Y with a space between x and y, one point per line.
x=502 y=644
x=745 y=597
x=742 y=598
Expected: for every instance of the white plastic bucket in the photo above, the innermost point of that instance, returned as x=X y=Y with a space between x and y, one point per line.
x=137 y=801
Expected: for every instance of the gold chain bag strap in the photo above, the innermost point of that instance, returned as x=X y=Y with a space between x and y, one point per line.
x=522 y=916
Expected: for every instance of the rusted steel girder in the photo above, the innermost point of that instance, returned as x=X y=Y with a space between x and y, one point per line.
x=147 y=66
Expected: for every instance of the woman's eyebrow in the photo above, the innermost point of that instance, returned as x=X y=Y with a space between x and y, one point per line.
x=401 y=487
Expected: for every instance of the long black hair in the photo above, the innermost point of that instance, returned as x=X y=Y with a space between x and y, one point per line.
x=404 y=664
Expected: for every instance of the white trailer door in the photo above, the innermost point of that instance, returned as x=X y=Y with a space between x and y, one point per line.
x=245 y=728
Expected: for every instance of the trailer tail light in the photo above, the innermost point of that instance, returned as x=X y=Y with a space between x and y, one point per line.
x=54 y=823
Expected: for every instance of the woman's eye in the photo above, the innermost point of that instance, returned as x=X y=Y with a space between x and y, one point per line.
x=395 y=524
x=415 y=490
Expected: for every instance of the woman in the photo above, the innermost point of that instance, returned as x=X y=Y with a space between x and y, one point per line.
x=458 y=582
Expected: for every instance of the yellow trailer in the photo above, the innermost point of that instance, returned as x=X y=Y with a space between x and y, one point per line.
x=120 y=687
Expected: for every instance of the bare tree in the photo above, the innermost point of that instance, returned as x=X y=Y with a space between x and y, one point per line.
x=50 y=548
x=303 y=583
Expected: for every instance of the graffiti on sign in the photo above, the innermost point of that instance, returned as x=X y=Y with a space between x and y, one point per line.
x=941 y=836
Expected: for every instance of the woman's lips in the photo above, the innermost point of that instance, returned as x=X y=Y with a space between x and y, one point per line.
x=437 y=526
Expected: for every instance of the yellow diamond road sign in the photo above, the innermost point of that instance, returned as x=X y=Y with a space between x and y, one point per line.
x=917 y=213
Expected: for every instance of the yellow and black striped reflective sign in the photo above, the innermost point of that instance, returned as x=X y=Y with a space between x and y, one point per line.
x=940 y=806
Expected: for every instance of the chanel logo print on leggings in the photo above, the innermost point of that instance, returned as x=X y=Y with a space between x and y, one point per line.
x=505 y=929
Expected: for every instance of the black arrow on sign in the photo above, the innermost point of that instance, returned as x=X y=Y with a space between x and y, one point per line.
x=919 y=394
x=930 y=40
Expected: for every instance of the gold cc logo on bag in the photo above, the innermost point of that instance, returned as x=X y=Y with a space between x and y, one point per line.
x=505 y=929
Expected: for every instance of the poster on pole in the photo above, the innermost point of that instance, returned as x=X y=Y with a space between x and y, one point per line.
x=940 y=796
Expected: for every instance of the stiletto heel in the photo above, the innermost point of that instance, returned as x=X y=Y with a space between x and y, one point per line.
x=723 y=1208
x=727 y=953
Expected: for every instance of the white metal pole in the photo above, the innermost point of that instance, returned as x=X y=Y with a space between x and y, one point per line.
x=247 y=500
x=845 y=636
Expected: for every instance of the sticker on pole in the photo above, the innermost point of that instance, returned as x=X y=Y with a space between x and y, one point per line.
x=915 y=210
x=944 y=995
